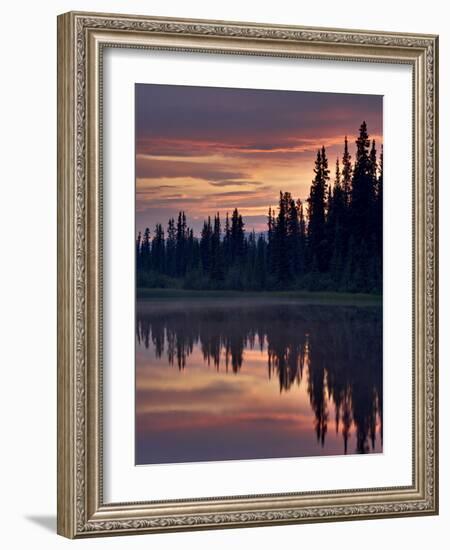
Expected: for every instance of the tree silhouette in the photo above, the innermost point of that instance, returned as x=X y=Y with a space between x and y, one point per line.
x=316 y=213
x=171 y=248
x=217 y=266
x=206 y=246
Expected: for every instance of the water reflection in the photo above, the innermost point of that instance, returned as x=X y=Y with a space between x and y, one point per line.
x=326 y=362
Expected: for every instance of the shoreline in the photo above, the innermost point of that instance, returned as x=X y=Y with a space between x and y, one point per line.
x=329 y=298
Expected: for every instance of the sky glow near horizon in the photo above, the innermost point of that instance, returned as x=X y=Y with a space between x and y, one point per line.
x=205 y=150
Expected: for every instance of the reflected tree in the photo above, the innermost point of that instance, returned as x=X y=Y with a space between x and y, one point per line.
x=336 y=351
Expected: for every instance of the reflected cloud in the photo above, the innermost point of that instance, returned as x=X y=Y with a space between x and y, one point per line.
x=286 y=371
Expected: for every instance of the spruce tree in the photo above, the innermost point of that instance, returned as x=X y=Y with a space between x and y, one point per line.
x=362 y=188
x=171 y=248
x=192 y=255
x=158 y=250
x=293 y=237
x=138 y=251
x=261 y=263
x=316 y=213
x=280 y=242
x=346 y=178
x=379 y=204
x=346 y=173
x=379 y=224
x=373 y=165
x=237 y=237
x=270 y=241
x=335 y=227
x=181 y=240
x=217 y=266
x=145 y=250
x=205 y=247
x=302 y=237
x=227 y=242
x=361 y=213
x=250 y=275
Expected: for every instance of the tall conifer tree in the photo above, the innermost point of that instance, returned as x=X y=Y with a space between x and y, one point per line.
x=316 y=212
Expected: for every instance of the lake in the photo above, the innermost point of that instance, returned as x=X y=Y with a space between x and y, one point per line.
x=259 y=377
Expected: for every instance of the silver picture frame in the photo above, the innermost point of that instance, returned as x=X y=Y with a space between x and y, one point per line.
x=82 y=38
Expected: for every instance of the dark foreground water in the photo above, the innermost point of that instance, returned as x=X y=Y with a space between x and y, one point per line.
x=222 y=379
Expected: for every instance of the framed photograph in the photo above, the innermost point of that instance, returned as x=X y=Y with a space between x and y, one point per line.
x=247 y=276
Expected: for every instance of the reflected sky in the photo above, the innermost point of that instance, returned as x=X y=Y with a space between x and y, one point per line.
x=223 y=380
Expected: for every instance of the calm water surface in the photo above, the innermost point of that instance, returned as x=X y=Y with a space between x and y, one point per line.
x=222 y=379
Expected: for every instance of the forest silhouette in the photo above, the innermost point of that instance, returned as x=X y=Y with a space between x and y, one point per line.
x=331 y=241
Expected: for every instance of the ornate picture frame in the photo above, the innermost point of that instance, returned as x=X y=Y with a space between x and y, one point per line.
x=82 y=39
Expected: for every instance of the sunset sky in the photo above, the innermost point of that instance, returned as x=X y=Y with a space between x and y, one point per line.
x=206 y=150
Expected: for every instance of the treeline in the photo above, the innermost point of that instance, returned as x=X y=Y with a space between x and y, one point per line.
x=333 y=242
